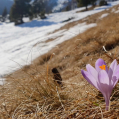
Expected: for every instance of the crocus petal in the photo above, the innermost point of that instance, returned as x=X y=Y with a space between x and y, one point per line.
x=114 y=81
x=99 y=63
x=115 y=76
x=104 y=85
x=112 y=68
x=92 y=71
x=103 y=77
x=116 y=72
x=89 y=78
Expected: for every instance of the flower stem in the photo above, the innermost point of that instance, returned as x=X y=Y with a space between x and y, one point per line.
x=107 y=104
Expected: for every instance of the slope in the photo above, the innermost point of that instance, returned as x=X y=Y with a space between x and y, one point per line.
x=18 y=43
x=31 y=92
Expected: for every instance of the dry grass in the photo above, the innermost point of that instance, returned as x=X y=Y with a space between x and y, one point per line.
x=31 y=93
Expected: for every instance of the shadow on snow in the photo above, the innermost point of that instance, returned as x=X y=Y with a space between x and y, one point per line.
x=104 y=7
x=36 y=23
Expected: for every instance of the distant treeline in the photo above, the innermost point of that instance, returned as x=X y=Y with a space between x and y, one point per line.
x=38 y=8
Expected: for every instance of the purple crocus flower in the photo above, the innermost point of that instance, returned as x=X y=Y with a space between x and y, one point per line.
x=102 y=78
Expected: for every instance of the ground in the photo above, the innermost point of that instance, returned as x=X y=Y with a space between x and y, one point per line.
x=31 y=93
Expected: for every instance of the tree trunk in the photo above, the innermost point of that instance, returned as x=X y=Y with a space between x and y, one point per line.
x=21 y=19
x=86 y=8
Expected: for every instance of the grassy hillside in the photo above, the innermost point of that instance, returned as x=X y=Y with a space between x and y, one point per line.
x=31 y=93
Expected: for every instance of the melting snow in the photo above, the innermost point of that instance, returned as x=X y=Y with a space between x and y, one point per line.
x=104 y=15
x=19 y=45
x=116 y=11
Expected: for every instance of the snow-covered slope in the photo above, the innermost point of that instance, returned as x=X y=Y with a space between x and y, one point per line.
x=19 y=45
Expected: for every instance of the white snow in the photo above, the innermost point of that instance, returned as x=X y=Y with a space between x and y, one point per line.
x=104 y=15
x=113 y=10
x=116 y=11
x=26 y=19
x=19 y=45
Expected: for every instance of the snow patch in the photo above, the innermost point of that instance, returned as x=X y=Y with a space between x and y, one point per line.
x=113 y=10
x=104 y=15
x=2 y=81
x=116 y=11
